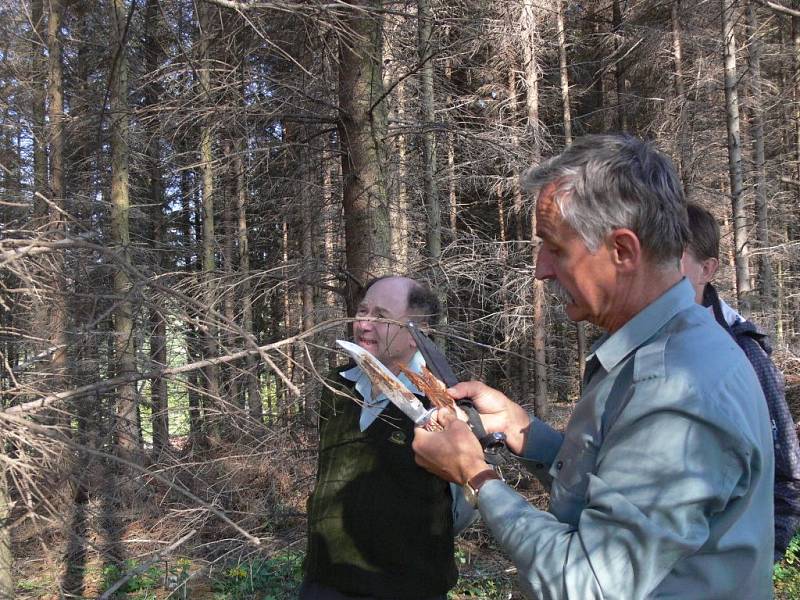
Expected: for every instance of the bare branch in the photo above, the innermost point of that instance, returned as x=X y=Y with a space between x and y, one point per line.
x=779 y=8
x=168 y=372
x=59 y=437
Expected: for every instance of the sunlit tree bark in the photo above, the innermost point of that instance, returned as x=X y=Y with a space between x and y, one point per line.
x=530 y=44
x=7 y=587
x=396 y=80
x=56 y=315
x=619 y=69
x=740 y=235
x=580 y=331
x=39 y=35
x=684 y=142
x=254 y=401
x=765 y=277
x=209 y=261
x=127 y=405
x=158 y=325
x=362 y=130
x=425 y=54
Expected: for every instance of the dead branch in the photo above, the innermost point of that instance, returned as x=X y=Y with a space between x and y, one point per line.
x=57 y=436
x=113 y=382
x=780 y=8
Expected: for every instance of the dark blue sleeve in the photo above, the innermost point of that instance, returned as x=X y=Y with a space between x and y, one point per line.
x=784 y=436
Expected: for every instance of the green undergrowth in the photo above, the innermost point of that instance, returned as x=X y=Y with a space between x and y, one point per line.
x=279 y=577
x=143 y=585
x=275 y=578
x=786 y=574
x=481 y=577
x=34 y=587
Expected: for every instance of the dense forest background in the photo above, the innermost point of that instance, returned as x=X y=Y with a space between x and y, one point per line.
x=193 y=192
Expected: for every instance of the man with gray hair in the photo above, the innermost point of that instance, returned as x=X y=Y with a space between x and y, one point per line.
x=661 y=485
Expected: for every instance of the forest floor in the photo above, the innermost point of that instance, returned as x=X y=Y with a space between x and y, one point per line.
x=215 y=564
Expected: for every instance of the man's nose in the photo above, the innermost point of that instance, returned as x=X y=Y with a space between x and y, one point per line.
x=364 y=322
x=544 y=265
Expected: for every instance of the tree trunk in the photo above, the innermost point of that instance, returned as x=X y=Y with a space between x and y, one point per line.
x=55 y=102
x=684 y=144
x=288 y=304
x=6 y=555
x=580 y=332
x=796 y=94
x=428 y=118
x=39 y=131
x=190 y=232
x=530 y=44
x=452 y=194
x=790 y=268
x=231 y=398
x=55 y=323
x=362 y=129
x=521 y=347
x=401 y=233
x=765 y=277
x=779 y=327
x=563 y=72
x=741 y=248
x=619 y=70
x=452 y=197
x=504 y=331
x=308 y=294
x=209 y=265
x=254 y=402
x=158 y=324
x=127 y=406
x=397 y=184
x=332 y=227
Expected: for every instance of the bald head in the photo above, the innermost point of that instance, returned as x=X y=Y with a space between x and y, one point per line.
x=421 y=301
x=394 y=299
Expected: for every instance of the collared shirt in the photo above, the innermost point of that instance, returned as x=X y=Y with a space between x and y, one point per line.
x=463 y=512
x=373 y=407
x=661 y=486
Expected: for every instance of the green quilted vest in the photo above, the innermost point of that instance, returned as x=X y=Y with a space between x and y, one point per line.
x=378 y=524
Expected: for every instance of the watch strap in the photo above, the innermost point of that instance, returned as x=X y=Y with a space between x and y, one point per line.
x=477 y=481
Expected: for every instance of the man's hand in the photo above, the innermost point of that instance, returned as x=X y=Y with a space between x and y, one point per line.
x=442 y=417
x=497 y=411
x=453 y=454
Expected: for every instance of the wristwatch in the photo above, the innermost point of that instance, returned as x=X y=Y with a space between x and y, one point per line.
x=473 y=487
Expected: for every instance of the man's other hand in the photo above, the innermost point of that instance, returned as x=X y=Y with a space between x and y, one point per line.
x=453 y=454
x=442 y=417
x=497 y=411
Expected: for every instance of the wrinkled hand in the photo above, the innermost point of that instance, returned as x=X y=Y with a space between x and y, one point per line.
x=445 y=415
x=453 y=454
x=497 y=411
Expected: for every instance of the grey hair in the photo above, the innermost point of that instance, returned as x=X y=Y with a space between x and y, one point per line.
x=606 y=182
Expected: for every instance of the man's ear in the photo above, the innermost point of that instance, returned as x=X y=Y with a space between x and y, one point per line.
x=710 y=266
x=625 y=248
x=422 y=324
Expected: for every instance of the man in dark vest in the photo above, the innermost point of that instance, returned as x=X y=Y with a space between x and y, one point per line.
x=700 y=263
x=379 y=526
